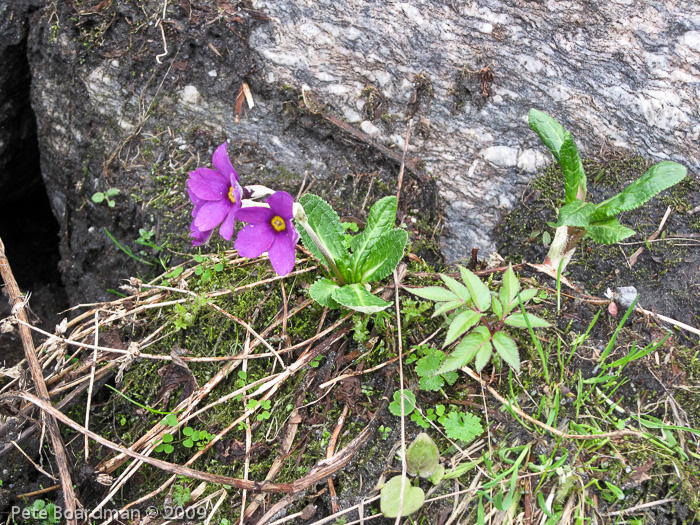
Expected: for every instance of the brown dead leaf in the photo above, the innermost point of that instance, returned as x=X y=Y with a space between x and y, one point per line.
x=231 y=450
x=349 y=391
x=174 y=376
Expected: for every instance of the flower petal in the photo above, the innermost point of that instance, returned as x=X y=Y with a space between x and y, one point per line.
x=223 y=163
x=208 y=184
x=282 y=204
x=254 y=240
x=255 y=215
x=211 y=214
x=199 y=237
x=226 y=229
x=282 y=250
x=196 y=201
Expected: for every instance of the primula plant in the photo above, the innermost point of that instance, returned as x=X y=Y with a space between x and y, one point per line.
x=356 y=260
x=578 y=218
x=351 y=261
x=483 y=316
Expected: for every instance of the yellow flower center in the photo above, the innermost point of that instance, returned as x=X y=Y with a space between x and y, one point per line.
x=232 y=195
x=278 y=223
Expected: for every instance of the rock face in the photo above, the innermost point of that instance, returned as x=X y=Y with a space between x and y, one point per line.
x=616 y=74
x=130 y=96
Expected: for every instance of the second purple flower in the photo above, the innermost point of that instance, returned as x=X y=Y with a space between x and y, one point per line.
x=270 y=230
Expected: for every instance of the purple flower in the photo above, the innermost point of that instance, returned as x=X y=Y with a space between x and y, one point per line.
x=198 y=237
x=269 y=230
x=216 y=195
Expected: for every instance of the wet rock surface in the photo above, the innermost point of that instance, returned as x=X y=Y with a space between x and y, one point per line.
x=468 y=73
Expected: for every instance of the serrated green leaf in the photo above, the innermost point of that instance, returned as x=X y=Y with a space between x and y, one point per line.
x=384 y=256
x=571 y=165
x=509 y=288
x=356 y=297
x=381 y=219
x=497 y=306
x=659 y=177
x=466 y=349
x=325 y=222
x=609 y=231
x=518 y=321
x=507 y=349
x=441 y=308
x=322 y=292
x=483 y=356
x=427 y=369
x=527 y=294
x=460 y=324
x=548 y=129
x=456 y=287
x=434 y=293
x=461 y=426
x=577 y=213
x=478 y=291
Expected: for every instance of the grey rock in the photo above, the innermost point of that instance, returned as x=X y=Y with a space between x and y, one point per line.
x=625 y=295
x=616 y=74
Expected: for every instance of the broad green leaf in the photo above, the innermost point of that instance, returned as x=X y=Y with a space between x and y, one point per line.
x=509 y=288
x=98 y=197
x=457 y=288
x=422 y=456
x=384 y=256
x=356 y=297
x=483 y=356
x=390 y=500
x=381 y=219
x=661 y=176
x=571 y=165
x=434 y=293
x=460 y=324
x=326 y=223
x=518 y=321
x=576 y=213
x=507 y=349
x=321 y=291
x=609 y=231
x=441 y=308
x=467 y=349
x=548 y=129
x=479 y=292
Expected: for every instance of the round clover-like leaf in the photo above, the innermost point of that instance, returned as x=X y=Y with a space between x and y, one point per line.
x=390 y=501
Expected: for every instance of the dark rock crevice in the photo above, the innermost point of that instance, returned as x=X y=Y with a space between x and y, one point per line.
x=28 y=227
